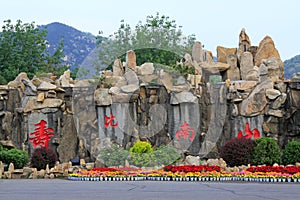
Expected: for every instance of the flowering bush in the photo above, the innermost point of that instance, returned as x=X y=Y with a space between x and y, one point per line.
x=237 y=151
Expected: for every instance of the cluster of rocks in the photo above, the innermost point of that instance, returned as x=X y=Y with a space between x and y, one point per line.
x=151 y=102
x=60 y=170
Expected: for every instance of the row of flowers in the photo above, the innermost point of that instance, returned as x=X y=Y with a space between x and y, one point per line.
x=192 y=168
x=118 y=175
x=279 y=169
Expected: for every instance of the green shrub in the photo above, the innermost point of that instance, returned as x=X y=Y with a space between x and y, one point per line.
x=163 y=155
x=237 y=151
x=141 y=147
x=114 y=156
x=142 y=159
x=18 y=157
x=291 y=153
x=266 y=152
x=43 y=156
x=166 y=155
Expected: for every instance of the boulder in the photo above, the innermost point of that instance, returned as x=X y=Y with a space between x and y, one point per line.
x=118 y=68
x=41 y=97
x=275 y=69
x=30 y=88
x=131 y=77
x=33 y=104
x=114 y=90
x=192 y=160
x=233 y=73
x=50 y=94
x=18 y=80
x=197 y=52
x=272 y=93
x=244 y=85
x=129 y=88
x=266 y=49
x=46 y=86
x=215 y=67
x=102 y=97
x=276 y=113
x=252 y=75
x=131 y=60
x=246 y=64
x=257 y=100
x=223 y=53
x=115 y=81
x=146 y=69
x=183 y=97
x=64 y=80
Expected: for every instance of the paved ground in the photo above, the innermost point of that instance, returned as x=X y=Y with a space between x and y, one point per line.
x=63 y=189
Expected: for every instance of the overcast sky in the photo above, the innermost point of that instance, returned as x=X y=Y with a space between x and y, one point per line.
x=214 y=22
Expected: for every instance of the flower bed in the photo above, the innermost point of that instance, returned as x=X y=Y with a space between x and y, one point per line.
x=188 y=173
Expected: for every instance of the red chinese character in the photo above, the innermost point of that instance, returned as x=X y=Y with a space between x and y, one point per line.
x=255 y=133
x=41 y=134
x=185 y=131
x=109 y=121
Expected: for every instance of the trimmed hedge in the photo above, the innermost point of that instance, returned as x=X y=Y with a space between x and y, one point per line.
x=266 y=152
x=291 y=153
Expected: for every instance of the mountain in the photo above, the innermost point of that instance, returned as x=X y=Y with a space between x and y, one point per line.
x=291 y=66
x=80 y=48
x=77 y=44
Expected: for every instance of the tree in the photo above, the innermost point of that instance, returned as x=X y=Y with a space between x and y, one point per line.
x=23 y=48
x=158 y=40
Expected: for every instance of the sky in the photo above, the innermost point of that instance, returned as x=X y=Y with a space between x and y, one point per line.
x=214 y=22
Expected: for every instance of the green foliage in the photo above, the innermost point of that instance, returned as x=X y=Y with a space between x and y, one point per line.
x=237 y=151
x=114 y=156
x=291 y=153
x=163 y=155
x=141 y=147
x=214 y=79
x=43 y=156
x=158 y=40
x=18 y=157
x=166 y=155
x=23 y=48
x=142 y=159
x=266 y=152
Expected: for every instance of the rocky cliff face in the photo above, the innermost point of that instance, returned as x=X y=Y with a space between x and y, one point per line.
x=196 y=114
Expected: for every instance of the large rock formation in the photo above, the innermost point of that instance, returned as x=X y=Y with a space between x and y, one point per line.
x=266 y=49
